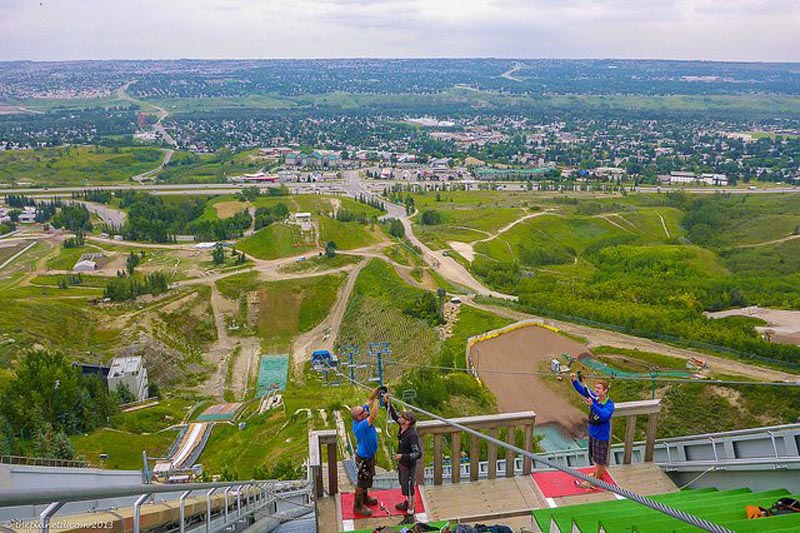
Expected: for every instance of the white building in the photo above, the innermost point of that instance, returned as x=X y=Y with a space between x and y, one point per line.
x=131 y=372
x=86 y=265
x=28 y=215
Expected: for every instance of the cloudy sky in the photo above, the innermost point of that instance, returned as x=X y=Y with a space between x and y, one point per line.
x=766 y=30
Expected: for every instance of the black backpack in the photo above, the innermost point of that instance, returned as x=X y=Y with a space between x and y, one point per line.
x=786 y=506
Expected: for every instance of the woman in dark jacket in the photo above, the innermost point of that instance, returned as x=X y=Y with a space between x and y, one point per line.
x=409 y=451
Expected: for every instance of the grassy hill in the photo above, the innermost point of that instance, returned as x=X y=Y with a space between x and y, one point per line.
x=76 y=165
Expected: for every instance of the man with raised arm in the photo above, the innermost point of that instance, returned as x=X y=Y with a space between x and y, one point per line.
x=367 y=445
x=601 y=408
x=409 y=451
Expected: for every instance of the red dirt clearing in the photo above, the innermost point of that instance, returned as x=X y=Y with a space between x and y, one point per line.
x=524 y=350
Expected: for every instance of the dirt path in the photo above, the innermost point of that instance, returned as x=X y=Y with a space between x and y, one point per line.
x=607 y=218
x=221 y=350
x=467 y=249
x=664 y=225
x=527 y=350
x=324 y=334
x=776 y=241
x=602 y=337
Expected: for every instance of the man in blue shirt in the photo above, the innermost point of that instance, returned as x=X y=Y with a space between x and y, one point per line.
x=367 y=439
x=601 y=408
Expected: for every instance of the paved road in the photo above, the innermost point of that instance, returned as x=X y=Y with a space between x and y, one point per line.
x=161 y=113
x=113 y=217
x=139 y=178
x=448 y=267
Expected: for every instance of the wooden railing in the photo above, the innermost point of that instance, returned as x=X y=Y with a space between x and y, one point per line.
x=506 y=426
x=493 y=425
x=316 y=441
x=630 y=410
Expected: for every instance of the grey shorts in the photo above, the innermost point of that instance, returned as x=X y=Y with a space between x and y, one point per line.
x=407 y=477
x=598 y=451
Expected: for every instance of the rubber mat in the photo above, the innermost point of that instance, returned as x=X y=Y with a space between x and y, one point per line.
x=386 y=497
x=558 y=484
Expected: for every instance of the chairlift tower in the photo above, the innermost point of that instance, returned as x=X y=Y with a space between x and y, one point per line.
x=378 y=350
x=352 y=351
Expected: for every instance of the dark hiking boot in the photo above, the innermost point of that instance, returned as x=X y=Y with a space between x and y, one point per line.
x=402 y=506
x=368 y=500
x=358 y=505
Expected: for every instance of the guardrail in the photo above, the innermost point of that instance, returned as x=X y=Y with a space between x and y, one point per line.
x=777 y=447
x=42 y=461
x=218 y=506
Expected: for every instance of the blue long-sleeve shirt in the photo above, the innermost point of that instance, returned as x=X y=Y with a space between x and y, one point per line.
x=599 y=413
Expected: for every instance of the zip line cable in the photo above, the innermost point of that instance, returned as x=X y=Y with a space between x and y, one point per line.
x=594 y=375
x=652 y=504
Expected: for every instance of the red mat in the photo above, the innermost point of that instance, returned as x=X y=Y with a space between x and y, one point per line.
x=558 y=484
x=386 y=497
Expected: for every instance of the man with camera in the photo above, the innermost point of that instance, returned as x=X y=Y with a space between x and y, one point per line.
x=601 y=408
x=409 y=451
x=367 y=445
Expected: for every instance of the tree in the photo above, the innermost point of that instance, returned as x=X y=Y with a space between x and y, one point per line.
x=124 y=394
x=218 y=255
x=330 y=249
x=132 y=262
x=431 y=217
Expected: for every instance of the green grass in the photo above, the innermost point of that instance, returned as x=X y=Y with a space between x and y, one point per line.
x=321 y=263
x=275 y=241
x=32 y=318
x=348 y=235
x=187 y=167
x=167 y=413
x=195 y=105
x=67 y=257
x=375 y=314
x=76 y=165
x=278 y=435
x=124 y=449
x=285 y=308
x=778 y=259
x=86 y=281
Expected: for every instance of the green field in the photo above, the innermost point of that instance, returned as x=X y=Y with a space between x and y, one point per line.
x=76 y=165
x=188 y=167
x=124 y=449
x=284 y=309
x=734 y=104
x=348 y=235
x=275 y=241
x=321 y=263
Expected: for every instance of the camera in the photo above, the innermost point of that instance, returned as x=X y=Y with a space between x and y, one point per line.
x=383 y=390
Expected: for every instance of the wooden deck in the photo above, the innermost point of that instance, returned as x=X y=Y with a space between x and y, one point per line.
x=506 y=501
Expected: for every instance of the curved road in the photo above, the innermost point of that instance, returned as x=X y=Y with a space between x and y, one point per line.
x=446 y=266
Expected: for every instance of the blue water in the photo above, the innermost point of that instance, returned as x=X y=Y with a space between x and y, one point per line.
x=554 y=438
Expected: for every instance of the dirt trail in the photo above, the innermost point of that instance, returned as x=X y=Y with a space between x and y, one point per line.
x=602 y=337
x=776 y=241
x=221 y=350
x=324 y=334
x=664 y=225
x=467 y=249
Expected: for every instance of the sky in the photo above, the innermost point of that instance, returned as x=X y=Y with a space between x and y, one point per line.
x=732 y=30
